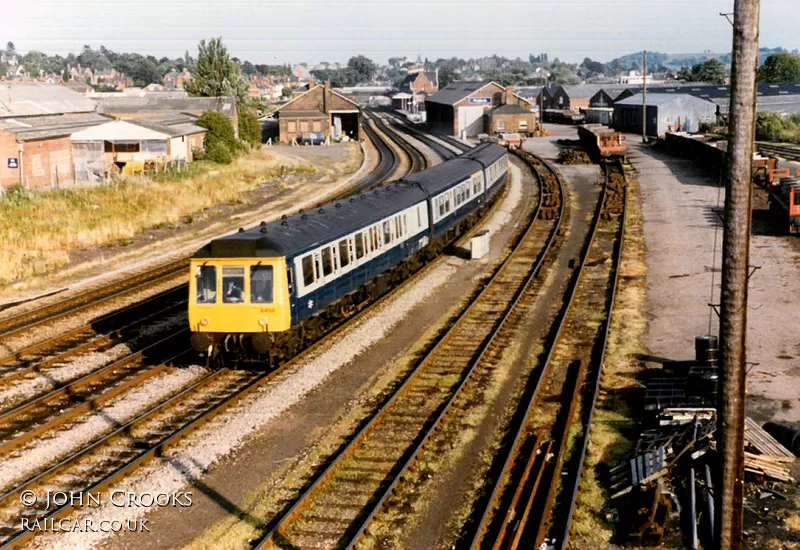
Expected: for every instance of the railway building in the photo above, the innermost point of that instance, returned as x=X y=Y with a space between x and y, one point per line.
x=319 y=114
x=665 y=113
x=36 y=121
x=420 y=84
x=472 y=108
x=125 y=146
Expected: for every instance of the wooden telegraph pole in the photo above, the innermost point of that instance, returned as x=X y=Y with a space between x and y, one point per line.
x=644 y=98
x=735 y=266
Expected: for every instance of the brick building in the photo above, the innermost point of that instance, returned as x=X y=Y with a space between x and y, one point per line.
x=466 y=108
x=318 y=114
x=420 y=85
x=510 y=119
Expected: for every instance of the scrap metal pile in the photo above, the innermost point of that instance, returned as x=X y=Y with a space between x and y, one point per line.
x=668 y=477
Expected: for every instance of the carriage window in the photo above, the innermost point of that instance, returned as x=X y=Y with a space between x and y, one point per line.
x=206 y=284
x=261 y=284
x=796 y=194
x=405 y=224
x=327 y=261
x=387 y=233
x=373 y=237
x=344 y=253
x=232 y=284
x=359 y=246
x=398 y=227
x=447 y=203
x=419 y=216
x=308 y=270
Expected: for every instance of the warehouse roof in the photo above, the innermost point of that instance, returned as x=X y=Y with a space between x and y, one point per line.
x=172 y=130
x=118 y=130
x=154 y=103
x=657 y=99
x=40 y=99
x=43 y=127
x=456 y=91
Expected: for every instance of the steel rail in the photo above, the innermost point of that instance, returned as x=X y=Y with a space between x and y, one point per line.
x=445 y=153
x=418 y=160
x=457 y=143
x=10 y=326
x=302 y=499
x=387 y=163
x=598 y=373
x=542 y=374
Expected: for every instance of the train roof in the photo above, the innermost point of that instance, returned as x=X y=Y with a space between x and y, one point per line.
x=442 y=176
x=486 y=153
x=296 y=234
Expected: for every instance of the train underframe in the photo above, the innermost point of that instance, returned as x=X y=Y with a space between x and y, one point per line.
x=268 y=350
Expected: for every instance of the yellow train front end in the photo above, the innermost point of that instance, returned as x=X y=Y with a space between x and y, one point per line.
x=238 y=303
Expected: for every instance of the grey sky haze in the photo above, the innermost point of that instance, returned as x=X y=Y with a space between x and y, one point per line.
x=285 y=31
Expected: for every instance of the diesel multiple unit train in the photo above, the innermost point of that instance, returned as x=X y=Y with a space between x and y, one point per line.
x=267 y=292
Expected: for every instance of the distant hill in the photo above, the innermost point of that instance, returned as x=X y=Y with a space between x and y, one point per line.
x=678 y=60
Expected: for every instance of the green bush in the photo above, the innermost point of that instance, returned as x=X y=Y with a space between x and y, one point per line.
x=218 y=151
x=771 y=127
x=249 y=128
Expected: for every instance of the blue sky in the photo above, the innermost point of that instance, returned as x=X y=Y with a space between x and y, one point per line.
x=285 y=31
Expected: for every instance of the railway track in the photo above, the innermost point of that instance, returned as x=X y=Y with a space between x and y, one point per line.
x=387 y=164
x=444 y=152
x=339 y=504
x=782 y=151
x=534 y=469
x=457 y=143
x=418 y=161
x=50 y=313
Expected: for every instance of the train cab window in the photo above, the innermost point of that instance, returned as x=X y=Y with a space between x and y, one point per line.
x=232 y=284
x=344 y=253
x=308 y=270
x=359 y=246
x=327 y=261
x=261 y=284
x=387 y=233
x=206 y=284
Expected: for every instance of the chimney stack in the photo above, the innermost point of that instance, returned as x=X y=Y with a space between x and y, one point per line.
x=311 y=83
x=510 y=95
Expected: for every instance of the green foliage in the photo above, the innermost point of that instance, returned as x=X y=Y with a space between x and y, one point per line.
x=363 y=68
x=249 y=128
x=216 y=74
x=218 y=151
x=446 y=76
x=16 y=195
x=219 y=128
x=780 y=67
x=712 y=71
x=771 y=127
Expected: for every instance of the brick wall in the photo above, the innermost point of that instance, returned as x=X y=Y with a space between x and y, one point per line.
x=43 y=163
x=8 y=149
x=511 y=123
x=291 y=128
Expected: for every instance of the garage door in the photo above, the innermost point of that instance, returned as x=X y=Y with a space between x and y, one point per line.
x=471 y=119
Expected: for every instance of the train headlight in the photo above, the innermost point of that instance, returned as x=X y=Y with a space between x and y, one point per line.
x=204 y=322
x=262 y=322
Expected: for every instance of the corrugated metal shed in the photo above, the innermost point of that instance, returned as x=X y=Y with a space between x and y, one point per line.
x=21 y=100
x=155 y=103
x=32 y=128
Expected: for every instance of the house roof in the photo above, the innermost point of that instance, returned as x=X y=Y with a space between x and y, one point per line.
x=157 y=102
x=119 y=130
x=510 y=109
x=41 y=99
x=657 y=99
x=283 y=113
x=32 y=128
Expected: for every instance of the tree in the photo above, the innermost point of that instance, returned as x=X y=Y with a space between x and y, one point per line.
x=145 y=72
x=216 y=74
x=249 y=127
x=220 y=141
x=446 y=76
x=11 y=51
x=780 y=67
x=712 y=71
x=248 y=68
x=362 y=67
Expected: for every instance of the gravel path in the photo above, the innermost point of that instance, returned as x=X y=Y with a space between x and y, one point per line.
x=680 y=228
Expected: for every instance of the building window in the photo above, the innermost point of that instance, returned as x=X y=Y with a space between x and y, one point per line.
x=523 y=125
x=317 y=126
x=304 y=126
x=501 y=125
x=291 y=126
